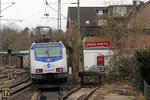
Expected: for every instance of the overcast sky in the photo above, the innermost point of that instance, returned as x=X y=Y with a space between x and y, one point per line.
x=31 y=12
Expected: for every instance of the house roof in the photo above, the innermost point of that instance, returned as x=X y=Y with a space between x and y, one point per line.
x=138 y=9
x=120 y=6
x=87 y=15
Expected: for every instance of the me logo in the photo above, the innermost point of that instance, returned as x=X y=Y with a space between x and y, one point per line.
x=49 y=65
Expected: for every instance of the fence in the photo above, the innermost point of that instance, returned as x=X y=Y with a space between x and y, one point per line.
x=146 y=90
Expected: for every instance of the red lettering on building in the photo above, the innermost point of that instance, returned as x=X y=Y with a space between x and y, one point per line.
x=89 y=44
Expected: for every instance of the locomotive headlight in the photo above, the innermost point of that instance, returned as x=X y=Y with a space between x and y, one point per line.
x=39 y=70
x=59 y=69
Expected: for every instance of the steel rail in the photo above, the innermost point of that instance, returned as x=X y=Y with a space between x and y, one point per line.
x=19 y=83
x=82 y=97
x=58 y=97
x=71 y=92
x=87 y=96
x=60 y=94
x=39 y=96
x=12 y=86
x=20 y=89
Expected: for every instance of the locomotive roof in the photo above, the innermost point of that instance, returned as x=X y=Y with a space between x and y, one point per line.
x=43 y=40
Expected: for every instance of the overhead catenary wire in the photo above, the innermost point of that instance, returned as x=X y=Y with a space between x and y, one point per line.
x=6 y=3
x=55 y=3
x=12 y=20
x=17 y=10
x=8 y=7
x=58 y=12
x=19 y=13
x=14 y=10
x=46 y=13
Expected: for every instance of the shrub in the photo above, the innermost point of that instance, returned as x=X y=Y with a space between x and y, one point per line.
x=143 y=64
x=122 y=69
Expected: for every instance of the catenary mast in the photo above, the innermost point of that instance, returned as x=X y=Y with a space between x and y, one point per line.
x=59 y=17
x=0 y=35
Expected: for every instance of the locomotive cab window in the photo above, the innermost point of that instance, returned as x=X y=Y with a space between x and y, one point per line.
x=55 y=51
x=48 y=51
x=41 y=52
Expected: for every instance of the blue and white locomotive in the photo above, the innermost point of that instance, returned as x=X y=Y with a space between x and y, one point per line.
x=48 y=62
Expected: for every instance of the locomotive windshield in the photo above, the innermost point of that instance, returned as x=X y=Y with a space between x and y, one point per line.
x=48 y=50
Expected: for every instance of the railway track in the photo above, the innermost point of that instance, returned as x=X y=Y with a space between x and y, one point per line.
x=14 y=89
x=3 y=76
x=20 y=87
x=80 y=93
x=51 y=94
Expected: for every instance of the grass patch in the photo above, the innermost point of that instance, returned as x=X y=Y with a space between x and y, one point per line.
x=4 y=81
x=105 y=90
x=123 y=89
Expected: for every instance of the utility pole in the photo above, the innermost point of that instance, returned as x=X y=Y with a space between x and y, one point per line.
x=79 y=33
x=79 y=15
x=0 y=34
x=59 y=17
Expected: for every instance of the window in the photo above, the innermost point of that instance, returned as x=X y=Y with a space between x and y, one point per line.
x=55 y=51
x=48 y=51
x=101 y=22
x=99 y=12
x=41 y=52
x=119 y=11
x=87 y=22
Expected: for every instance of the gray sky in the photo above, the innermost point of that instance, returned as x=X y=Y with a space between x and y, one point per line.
x=31 y=12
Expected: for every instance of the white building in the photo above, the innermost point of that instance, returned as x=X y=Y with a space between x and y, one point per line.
x=97 y=53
